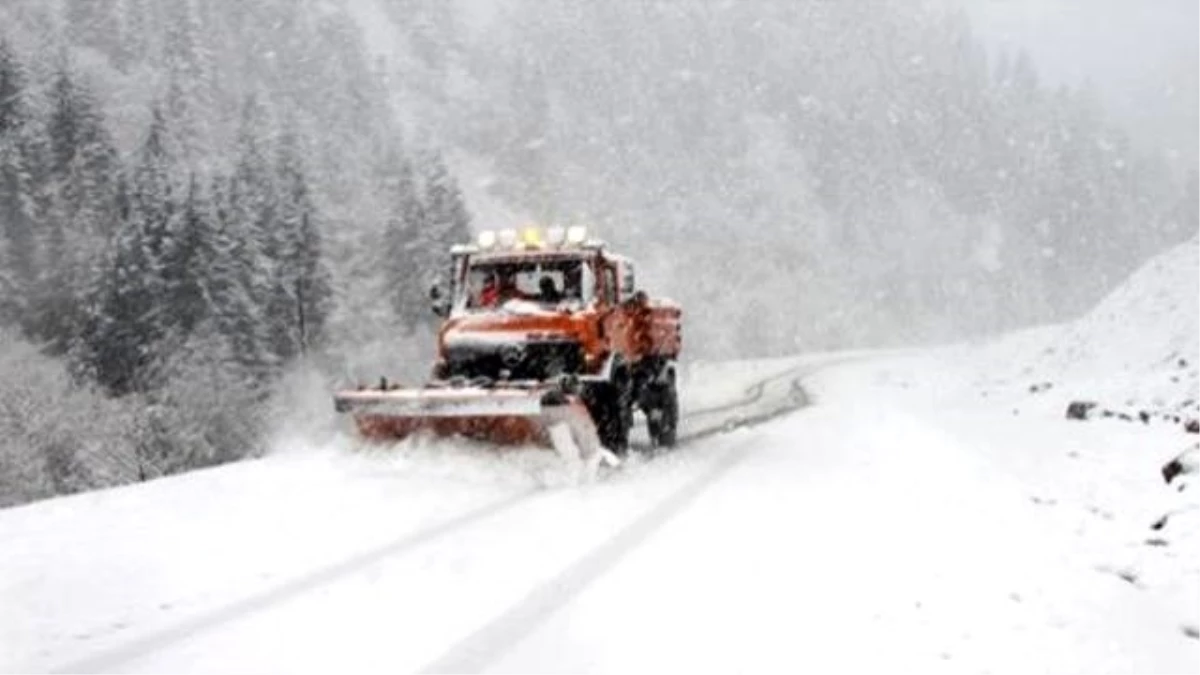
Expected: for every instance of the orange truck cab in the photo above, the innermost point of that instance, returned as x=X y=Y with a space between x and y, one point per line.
x=546 y=306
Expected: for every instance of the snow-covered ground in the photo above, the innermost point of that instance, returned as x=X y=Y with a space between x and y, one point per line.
x=927 y=511
x=1136 y=357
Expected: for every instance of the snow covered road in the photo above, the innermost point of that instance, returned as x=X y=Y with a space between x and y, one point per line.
x=862 y=541
x=863 y=532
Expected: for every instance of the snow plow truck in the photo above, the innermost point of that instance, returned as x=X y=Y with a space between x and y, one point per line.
x=545 y=340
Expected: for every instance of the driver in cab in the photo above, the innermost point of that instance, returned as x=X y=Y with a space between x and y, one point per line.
x=499 y=289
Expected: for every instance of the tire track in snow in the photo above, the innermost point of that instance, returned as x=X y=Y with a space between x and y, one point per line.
x=603 y=557
x=157 y=640
x=482 y=647
x=752 y=394
x=477 y=650
x=796 y=399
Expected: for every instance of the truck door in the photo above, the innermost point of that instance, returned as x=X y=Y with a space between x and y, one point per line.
x=616 y=320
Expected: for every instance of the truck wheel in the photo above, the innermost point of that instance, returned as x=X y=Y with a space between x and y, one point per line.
x=662 y=420
x=611 y=407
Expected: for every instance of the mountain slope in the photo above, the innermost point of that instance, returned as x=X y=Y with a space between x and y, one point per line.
x=1136 y=351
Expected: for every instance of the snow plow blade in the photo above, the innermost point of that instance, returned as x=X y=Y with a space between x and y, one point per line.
x=501 y=416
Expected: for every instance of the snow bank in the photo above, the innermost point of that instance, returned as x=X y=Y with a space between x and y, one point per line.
x=1138 y=351
x=1101 y=480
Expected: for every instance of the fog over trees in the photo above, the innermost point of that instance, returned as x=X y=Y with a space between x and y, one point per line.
x=200 y=197
x=1142 y=59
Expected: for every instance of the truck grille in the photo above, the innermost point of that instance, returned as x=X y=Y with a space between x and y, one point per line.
x=524 y=361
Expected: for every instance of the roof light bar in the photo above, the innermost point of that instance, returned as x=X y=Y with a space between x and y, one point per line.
x=532 y=237
x=486 y=240
x=507 y=238
x=576 y=235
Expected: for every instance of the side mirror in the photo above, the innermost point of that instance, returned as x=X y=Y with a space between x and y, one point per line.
x=637 y=300
x=438 y=301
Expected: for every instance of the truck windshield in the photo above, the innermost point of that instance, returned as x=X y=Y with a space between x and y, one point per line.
x=550 y=284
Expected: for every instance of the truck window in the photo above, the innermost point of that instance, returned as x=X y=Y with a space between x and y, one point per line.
x=628 y=287
x=610 y=285
x=588 y=284
x=551 y=283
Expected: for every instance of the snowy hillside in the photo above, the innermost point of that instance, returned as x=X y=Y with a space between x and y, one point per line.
x=1137 y=351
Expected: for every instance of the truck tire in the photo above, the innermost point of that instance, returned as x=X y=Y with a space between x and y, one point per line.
x=662 y=418
x=611 y=406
